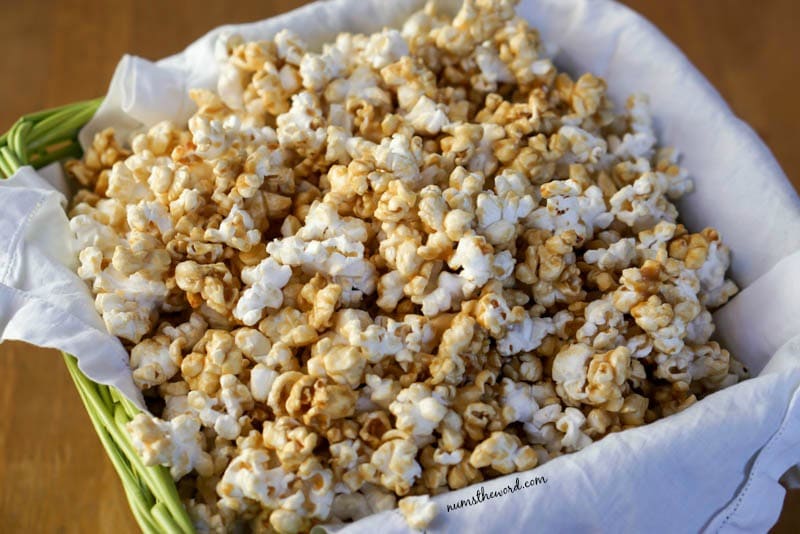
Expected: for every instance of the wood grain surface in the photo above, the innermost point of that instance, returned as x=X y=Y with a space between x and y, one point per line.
x=54 y=475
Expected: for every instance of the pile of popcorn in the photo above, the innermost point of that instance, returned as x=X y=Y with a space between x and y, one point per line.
x=417 y=260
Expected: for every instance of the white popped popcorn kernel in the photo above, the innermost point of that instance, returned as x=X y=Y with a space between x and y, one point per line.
x=154 y=361
x=524 y=335
x=474 y=256
x=498 y=215
x=249 y=476
x=427 y=117
x=317 y=70
x=581 y=376
x=443 y=457
x=643 y=203
x=341 y=259
x=236 y=230
x=585 y=147
x=91 y=259
x=127 y=319
x=715 y=288
x=400 y=156
x=383 y=391
x=491 y=66
x=290 y=47
x=418 y=511
x=505 y=453
x=569 y=370
x=302 y=127
x=517 y=400
x=177 y=444
x=571 y=207
x=230 y=86
x=616 y=257
x=570 y=423
x=396 y=464
x=450 y=291
x=264 y=282
x=148 y=215
x=385 y=47
x=418 y=410
x=89 y=232
x=603 y=321
x=641 y=140
x=261 y=380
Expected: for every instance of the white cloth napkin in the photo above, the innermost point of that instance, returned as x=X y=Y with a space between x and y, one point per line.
x=42 y=300
x=713 y=467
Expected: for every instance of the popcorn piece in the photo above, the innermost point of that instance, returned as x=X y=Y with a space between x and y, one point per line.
x=176 y=444
x=236 y=230
x=596 y=379
x=474 y=256
x=154 y=361
x=123 y=318
x=417 y=511
x=249 y=477
x=572 y=206
x=524 y=335
x=385 y=47
x=264 y=282
x=426 y=117
x=616 y=257
x=503 y=452
x=715 y=288
x=643 y=203
x=396 y=465
x=602 y=327
x=417 y=410
x=570 y=424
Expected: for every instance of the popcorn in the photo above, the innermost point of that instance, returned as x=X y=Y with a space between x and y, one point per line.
x=570 y=424
x=236 y=230
x=264 y=282
x=595 y=379
x=503 y=452
x=643 y=203
x=417 y=511
x=396 y=466
x=301 y=128
x=715 y=288
x=572 y=207
x=176 y=444
x=154 y=361
x=249 y=478
x=384 y=47
x=616 y=257
x=123 y=318
x=417 y=410
x=474 y=256
x=426 y=117
x=602 y=327
x=398 y=265
x=212 y=284
x=524 y=335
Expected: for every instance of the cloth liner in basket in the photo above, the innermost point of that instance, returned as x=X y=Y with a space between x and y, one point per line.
x=715 y=466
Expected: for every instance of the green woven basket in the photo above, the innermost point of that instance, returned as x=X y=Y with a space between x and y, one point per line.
x=37 y=140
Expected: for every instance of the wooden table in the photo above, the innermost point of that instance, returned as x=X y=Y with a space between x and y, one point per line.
x=54 y=475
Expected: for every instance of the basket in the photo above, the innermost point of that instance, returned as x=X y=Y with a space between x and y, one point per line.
x=37 y=140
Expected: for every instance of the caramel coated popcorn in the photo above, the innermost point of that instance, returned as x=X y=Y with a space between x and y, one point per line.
x=405 y=263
